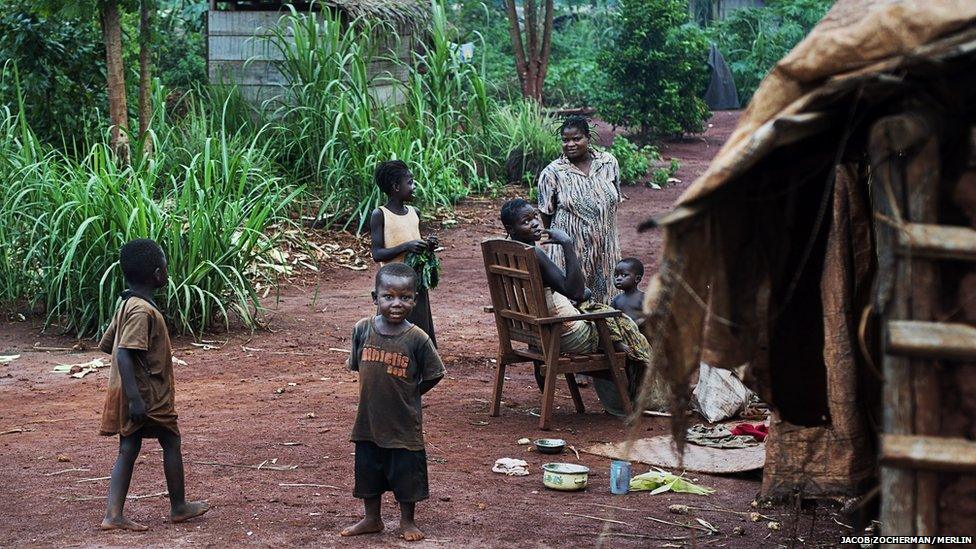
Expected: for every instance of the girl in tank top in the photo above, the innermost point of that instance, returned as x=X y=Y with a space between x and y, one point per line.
x=395 y=231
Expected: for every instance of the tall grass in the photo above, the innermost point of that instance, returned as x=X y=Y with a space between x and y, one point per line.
x=208 y=197
x=524 y=137
x=336 y=127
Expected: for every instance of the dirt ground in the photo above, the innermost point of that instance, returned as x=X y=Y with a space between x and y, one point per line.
x=283 y=398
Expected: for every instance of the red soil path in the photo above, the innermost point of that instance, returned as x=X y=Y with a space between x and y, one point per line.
x=288 y=397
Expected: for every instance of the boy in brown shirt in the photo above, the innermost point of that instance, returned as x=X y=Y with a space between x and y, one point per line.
x=397 y=363
x=140 y=400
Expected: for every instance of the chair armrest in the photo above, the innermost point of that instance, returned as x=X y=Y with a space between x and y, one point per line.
x=583 y=316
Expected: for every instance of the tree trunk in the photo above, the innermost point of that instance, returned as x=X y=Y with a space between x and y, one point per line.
x=146 y=8
x=117 y=108
x=532 y=50
x=546 y=46
x=515 y=32
x=531 y=56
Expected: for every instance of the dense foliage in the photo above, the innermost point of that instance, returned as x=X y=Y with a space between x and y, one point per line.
x=657 y=70
x=60 y=65
x=633 y=160
x=65 y=220
x=754 y=39
x=335 y=127
x=180 y=46
x=577 y=77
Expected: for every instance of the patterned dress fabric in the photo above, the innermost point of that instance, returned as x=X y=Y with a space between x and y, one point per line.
x=585 y=207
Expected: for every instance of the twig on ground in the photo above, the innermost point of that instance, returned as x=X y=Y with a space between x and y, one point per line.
x=597 y=518
x=689 y=526
x=302 y=484
x=656 y=413
x=842 y=524
x=730 y=511
x=93 y=479
x=337 y=350
x=37 y=347
x=641 y=536
x=92 y=498
x=208 y=345
x=66 y=471
x=601 y=505
x=59 y=420
x=15 y=430
x=242 y=466
x=573 y=448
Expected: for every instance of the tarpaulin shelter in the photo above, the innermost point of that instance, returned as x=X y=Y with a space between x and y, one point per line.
x=829 y=247
x=721 y=94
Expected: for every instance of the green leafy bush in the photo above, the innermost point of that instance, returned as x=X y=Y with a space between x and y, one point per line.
x=657 y=69
x=633 y=160
x=660 y=177
x=576 y=76
x=180 y=47
x=753 y=40
x=61 y=67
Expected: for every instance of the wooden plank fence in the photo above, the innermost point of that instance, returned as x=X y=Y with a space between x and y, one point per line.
x=239 y=53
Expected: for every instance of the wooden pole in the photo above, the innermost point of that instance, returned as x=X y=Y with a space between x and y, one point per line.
x=905 y=163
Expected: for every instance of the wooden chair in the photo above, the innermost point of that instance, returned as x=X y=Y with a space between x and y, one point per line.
x=522 y=314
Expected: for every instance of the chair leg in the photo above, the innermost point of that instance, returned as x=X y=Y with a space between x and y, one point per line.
x=620 y=378
x=618 y=374
x=548 y=394
x=552 y=374
x=496 y=394
x=575 y=392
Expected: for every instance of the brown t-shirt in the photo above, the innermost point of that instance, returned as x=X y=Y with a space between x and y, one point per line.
x=390 y=371
x=139 y=326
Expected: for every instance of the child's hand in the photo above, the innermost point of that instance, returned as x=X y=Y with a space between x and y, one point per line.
x=137 y=410
x=415 y=246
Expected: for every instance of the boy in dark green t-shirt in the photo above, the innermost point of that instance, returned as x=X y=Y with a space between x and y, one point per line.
x=397 y=363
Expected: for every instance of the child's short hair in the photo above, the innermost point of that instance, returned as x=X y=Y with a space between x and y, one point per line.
x=389 y=173
x=139 y=259
x=395 y=270
x=634 y=264
x=511 y=209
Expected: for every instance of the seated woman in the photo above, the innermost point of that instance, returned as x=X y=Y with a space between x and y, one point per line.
x=523 y=223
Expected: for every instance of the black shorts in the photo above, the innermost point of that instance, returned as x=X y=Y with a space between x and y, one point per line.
x=378 y=470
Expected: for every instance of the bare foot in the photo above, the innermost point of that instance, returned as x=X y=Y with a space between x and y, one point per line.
x=189 y=510
x=410 y=532
x=368 y=525
x=122 y=523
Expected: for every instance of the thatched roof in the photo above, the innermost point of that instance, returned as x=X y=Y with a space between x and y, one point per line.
x=411 y=12
x=414 y=13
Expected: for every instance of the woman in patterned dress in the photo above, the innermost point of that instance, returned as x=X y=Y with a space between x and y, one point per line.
x=578 y=194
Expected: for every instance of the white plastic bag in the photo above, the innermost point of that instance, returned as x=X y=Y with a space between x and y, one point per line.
x=719 y=394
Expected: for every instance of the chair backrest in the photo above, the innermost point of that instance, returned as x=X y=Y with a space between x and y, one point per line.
x=517 y=292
